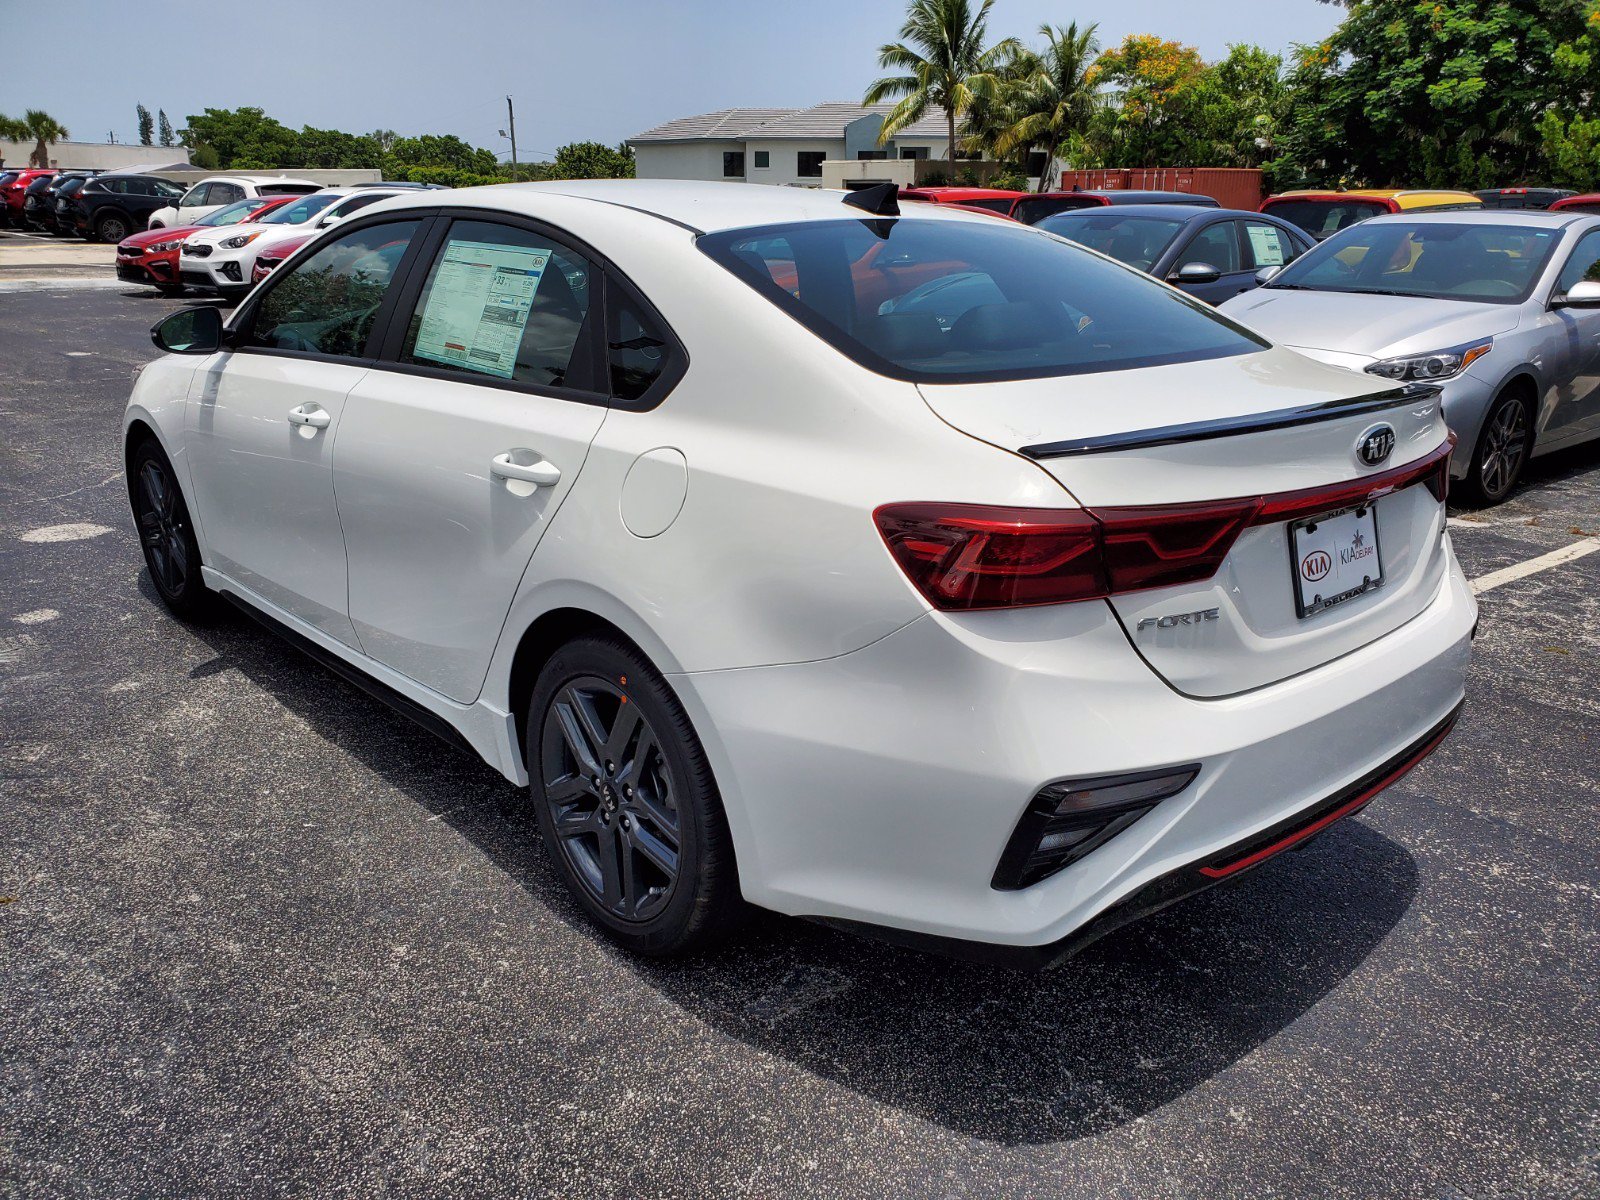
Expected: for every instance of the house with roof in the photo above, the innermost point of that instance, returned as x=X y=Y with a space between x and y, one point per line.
x=780 y=145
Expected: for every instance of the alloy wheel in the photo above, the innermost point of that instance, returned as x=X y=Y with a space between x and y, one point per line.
x=1505 y=443
x=612 y=798
x=113 y=229
x=162 y=528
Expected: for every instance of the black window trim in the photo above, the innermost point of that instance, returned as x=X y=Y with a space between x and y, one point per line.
x=409 y=292
x=389 y=331
x=1239 y=246
x=1293 y=234
x=246 y=312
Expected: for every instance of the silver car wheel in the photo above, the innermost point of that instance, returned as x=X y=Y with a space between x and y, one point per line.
x=1505 y=445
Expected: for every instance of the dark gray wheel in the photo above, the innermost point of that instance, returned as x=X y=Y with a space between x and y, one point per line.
x=165 y=533
x=1504 y=444
x=112 y=227
x=626 y=801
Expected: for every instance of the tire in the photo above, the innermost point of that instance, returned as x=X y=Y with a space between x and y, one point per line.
x=112 y=227
x=166 y=534
x=1505 y=444
x=645 y=850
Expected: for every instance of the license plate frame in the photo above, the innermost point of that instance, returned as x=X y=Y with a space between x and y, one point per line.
x=1341 y=538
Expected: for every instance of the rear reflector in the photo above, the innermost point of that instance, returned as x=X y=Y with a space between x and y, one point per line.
x=963 y=557
x=1068 y=820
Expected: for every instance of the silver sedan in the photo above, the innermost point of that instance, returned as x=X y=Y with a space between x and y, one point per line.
x=1502 y=310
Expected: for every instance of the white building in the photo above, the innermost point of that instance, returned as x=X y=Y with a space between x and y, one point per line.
x=779 y=145
x=99 y=156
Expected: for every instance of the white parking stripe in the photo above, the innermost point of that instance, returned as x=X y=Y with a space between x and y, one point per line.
x=1533 y=566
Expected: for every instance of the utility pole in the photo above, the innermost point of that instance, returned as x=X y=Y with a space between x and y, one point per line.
x=511 y=123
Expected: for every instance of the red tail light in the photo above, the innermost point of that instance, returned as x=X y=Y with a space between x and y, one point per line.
x=964 y=556
x=974 y=556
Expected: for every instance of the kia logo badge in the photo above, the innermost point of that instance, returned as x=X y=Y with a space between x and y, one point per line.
x=1316 y=565
x=1375 y=445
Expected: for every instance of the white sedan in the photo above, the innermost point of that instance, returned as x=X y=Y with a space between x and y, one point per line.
x=918 y=572
x=210 y=194
x=223 y=260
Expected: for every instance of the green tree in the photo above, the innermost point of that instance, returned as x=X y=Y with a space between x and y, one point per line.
x=592 y=160
x=147 y=126
x=1154 y=86
x=432 y=150
x=241 y=136
x=164 y=128
x=1443 y=93
x=1054 y=100
x=12 y=129
x=45 y=131
x=1237 y=109
x=945 y=64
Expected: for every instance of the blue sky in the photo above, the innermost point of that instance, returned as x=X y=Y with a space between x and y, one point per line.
x=579 y=69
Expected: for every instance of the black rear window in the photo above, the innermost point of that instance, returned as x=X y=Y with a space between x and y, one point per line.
x=1323 y=218
x=939 y=301
x=287 y=189
x=1032 y=210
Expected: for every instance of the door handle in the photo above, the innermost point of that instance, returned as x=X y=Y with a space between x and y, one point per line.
x=543 y=473
x=312 y=415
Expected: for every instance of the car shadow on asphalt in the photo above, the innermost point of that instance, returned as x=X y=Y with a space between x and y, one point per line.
x=1134 y=1022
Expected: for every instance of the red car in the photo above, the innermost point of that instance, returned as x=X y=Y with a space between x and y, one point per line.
x=1588 y=202
x=267 y=260
x=152 y=257
x=12 y=184
x=997 y=200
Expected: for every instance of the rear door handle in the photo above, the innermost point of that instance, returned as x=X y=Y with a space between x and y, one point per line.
x=543 y=473
x=312 y=415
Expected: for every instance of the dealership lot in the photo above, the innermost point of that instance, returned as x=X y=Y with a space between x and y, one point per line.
x=262 y=936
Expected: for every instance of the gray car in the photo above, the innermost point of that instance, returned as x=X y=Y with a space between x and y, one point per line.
x=1501 y=309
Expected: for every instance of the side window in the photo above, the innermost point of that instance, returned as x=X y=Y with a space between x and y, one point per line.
x=1269 y=245
x=638 y=349
x=1216 y=246
x=507 y=303
x=225 y=193
x=196 y=196
x=328 y=303
x=1584 y=263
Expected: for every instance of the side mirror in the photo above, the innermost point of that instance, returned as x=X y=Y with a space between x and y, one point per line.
x=1266 y=274
x=1195 y=272
x=189 y=331
x=1583 y=294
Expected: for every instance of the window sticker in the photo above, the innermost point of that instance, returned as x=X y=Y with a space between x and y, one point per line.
x=478 y=306
x=1267 y=244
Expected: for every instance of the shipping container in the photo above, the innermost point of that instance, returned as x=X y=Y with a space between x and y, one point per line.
x=1231 y=187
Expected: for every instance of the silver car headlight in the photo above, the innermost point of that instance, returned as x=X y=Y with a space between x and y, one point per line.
x=1440 y=364
x=240 y=240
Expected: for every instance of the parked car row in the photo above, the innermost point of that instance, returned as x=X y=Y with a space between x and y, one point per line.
x=220 y=247
x=1481 y=293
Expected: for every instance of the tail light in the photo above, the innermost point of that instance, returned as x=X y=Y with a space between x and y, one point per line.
x=963 y=557
x=1066 y=821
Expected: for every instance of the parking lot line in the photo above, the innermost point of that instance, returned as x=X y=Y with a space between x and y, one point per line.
x=1533 y=566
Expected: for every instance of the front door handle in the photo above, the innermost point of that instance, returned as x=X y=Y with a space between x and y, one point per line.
x=312 y=415
x=542 y=473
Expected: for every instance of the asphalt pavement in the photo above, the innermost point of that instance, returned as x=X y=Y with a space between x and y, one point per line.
x=259 y=936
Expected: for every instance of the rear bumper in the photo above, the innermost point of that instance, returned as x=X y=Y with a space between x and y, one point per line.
x=1224 y=866
x=880 y=788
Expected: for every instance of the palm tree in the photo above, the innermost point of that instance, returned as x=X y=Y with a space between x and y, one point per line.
x=950 y=67
x=1056 y=101
x=44 y=130
x=12 y=130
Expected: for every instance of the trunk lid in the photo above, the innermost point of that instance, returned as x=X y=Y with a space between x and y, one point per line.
x=1264 y=425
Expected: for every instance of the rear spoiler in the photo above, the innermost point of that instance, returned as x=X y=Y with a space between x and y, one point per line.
x=1200 y=431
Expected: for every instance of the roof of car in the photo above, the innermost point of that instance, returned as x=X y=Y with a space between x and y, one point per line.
x=1485 y=216
x=1182 y=212
x=702 y=207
